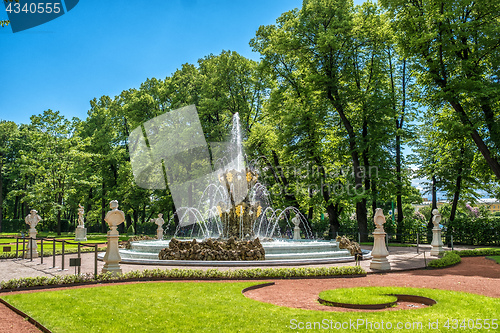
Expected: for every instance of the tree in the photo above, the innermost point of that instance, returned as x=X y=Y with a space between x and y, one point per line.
x=50 y=160
x=339 y=49
x=8 y=133
x=454 y=46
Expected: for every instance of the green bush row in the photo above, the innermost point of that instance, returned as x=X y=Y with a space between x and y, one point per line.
x=478 y=252
x=475 y=231
x=188 y=274
x=450 y=258
x=453 y=257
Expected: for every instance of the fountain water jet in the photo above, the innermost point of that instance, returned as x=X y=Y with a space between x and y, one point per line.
x=237 y=205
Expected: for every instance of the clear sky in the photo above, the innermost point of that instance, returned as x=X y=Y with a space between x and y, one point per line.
x=104 y=47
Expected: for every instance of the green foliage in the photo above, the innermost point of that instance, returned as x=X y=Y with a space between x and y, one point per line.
x=453 y=257
x=478 y=252
x=188 y=274
x=130 y=230
x=475 y=230
x=449 y=259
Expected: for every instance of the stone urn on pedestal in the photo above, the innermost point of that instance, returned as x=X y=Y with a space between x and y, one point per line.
x=159 y=222
x=379 y=252
x=296 y=229
x=32 y=220
x=112 y=257
x=80 y=231
x=437 y=242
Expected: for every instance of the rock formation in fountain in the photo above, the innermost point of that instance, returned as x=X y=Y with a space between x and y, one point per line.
x=239 y=215
x=213 y=249
x=353 y=247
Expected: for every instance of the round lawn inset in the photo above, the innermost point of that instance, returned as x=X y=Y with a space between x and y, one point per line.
x=368 y=298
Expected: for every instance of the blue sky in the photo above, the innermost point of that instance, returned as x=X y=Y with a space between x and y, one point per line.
x=105 y=47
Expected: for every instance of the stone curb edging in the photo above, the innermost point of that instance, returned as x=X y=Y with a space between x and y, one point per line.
x=69 y=285
x=24 y=315
x=258 y=286
x=400 y=298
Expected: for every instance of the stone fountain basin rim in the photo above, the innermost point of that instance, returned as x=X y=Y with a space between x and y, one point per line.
x=242 y=263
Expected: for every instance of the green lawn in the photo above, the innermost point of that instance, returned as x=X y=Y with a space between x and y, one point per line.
x=362 y=295
x=496 y=258
x=220 y=307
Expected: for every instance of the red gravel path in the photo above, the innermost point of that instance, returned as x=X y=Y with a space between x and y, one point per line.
x=473 y=275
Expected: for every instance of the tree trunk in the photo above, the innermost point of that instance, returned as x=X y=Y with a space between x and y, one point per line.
x=333 y=217
x=16 y=207
x=399 y=188
x=361 y=218
x=88 y=206
x=458 y=187
x=490 y=159
x=430 y=225
x=59 y=202
x=136 y=217
x=456 y=196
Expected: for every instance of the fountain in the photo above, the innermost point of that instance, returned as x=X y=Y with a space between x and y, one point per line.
x=231 y=204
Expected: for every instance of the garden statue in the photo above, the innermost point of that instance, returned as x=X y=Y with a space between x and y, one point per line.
x=112 y=257
x=32 y=220
x=81 y=231
x=296 y=229
x=379 y=252
x=159 y=222
x=437 y=242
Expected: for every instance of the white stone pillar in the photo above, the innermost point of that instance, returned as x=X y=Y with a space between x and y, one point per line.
x=296 y=229
x=437 y=242
x=112 y=257
x=379 y=251
x=31 y=244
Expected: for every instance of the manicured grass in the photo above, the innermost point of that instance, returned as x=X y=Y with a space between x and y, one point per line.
x=362 y=295
x=220 y=307
x=496 y=258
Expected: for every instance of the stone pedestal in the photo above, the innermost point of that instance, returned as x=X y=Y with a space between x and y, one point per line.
x=159 y=233
x=296 y=233
x=379 y=252
x=437 y=242
x=31 y=244
x=112 y=257
x=80 y=234
x=296 y=229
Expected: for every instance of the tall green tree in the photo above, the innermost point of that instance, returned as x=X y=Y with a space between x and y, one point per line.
x=340 y=50
x=454 y=46
x=8 y=133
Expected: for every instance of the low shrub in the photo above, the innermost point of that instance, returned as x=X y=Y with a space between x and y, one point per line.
x=185 y=274
x=453 y=257
x=450 y=258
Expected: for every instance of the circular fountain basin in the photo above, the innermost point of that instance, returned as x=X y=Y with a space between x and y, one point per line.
x=278 y=253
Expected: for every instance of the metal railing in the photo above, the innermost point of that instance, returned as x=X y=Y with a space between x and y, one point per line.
x=29 y=249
